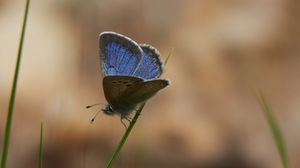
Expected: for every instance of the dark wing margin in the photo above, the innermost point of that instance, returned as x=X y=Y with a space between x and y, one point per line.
x=119 y=54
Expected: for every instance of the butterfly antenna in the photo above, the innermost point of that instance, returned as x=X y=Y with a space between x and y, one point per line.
x=93 y=119
x=89 y=106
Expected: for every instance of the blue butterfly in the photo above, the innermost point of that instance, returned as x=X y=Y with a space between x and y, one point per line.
x=131 y=73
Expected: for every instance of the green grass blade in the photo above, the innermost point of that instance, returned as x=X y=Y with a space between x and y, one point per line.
x=277 y=135
x=13 y=92
x=168 y=57
x=124 y=138
x=41 y=149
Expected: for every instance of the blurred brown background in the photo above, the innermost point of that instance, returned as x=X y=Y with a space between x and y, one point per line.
x=225 y=50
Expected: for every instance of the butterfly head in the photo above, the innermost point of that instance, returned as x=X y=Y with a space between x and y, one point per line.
x=108 y=110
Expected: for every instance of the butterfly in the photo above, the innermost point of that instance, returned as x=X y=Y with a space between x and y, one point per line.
x=131 y=73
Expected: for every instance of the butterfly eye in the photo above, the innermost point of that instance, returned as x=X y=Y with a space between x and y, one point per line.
x=108 y=110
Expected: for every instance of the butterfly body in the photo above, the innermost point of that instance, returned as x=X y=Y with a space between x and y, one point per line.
x=131 y=73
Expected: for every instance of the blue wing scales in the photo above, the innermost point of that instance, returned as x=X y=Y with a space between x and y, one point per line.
x=119 y=54
x=151 y=65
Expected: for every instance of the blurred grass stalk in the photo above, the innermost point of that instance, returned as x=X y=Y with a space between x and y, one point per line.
x=277 y=135
x=132 y=123
x=13 y=91
x=169 y=55
x=41 y=148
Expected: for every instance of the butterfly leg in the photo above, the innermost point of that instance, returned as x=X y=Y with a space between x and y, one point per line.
x=134 y=112
x=121 y=119
x=126 y=118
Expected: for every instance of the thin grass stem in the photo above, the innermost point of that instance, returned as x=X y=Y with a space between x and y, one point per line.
x=41 y=147
x=169 y=55
x=124 y=138
x=13 y=91
x=277 y=135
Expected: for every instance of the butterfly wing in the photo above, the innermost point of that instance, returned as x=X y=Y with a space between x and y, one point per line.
x=119 y=54
x=141 y=91
x=151 y=65
x=115 y=86
x=126 y=65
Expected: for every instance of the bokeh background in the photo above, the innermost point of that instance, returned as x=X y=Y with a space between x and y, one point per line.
x=225 y=50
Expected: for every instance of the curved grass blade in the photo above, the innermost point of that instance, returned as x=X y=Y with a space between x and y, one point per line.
x=277 y=135
x=13 y=91
x=169 y=55
x=41 y=148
